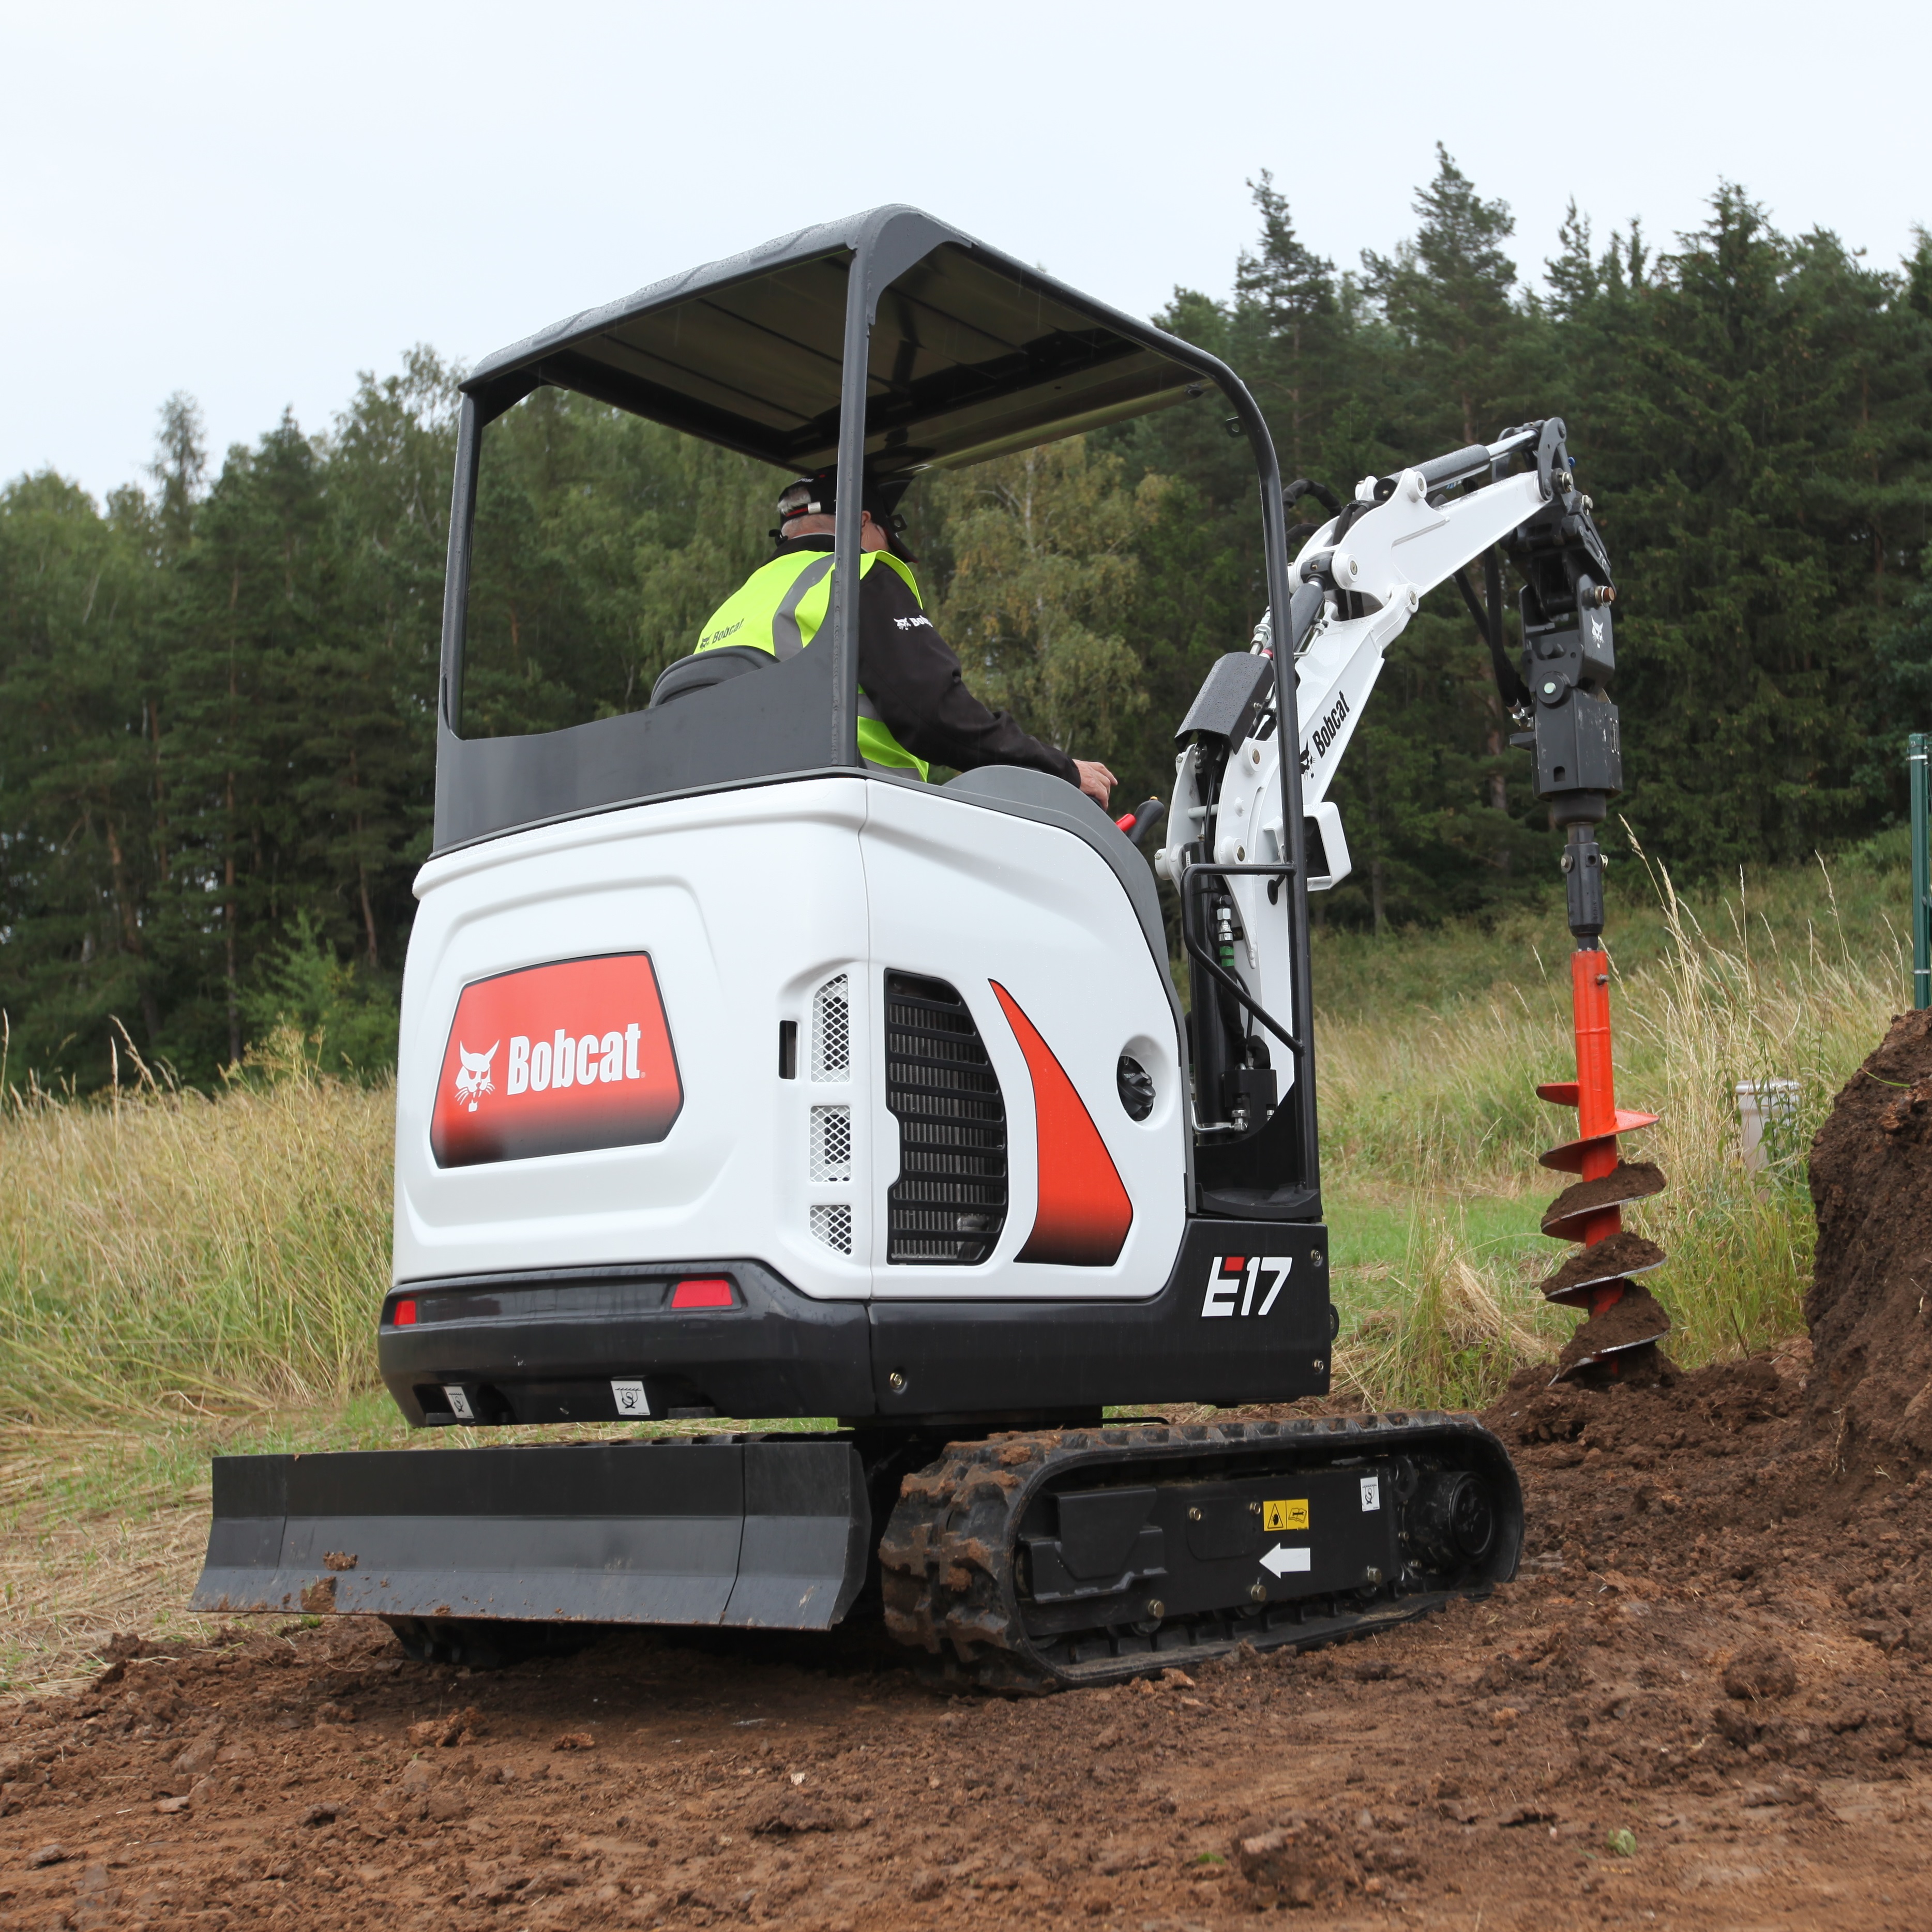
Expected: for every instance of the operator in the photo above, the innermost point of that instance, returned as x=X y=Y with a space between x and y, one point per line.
x=914 y=709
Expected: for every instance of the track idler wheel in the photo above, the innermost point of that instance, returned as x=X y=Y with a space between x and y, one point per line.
x=1625 y=1323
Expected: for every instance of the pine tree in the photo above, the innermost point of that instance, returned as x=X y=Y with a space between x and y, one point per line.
x=1450 y=294
x=1761 y=447
x=75 y=879
x=1044 y=572
x=1286 y=315
x=254 y=594
x=364 y=685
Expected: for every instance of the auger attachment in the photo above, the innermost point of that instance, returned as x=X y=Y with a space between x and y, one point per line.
x=1618 y=1341
x=1557 y=693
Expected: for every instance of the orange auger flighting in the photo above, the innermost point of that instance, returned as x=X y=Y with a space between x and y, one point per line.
x=1618 y=1340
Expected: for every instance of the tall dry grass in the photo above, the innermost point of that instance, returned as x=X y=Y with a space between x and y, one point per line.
x=1438 y=1104
x=160 y=1249
x=1455 y=1327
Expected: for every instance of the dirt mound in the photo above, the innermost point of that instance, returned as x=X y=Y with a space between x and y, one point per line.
x=1870 y=1307
x=1697 y=1412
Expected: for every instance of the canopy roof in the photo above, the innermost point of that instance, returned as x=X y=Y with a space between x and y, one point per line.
x=971 y=354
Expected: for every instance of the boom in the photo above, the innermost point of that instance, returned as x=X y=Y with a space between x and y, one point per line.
x=1359 y=577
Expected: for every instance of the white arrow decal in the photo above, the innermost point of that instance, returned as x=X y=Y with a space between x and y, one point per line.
x=1280 y=1560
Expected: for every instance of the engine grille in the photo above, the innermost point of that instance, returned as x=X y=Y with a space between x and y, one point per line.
x=950 y=1201
x=831 y=1144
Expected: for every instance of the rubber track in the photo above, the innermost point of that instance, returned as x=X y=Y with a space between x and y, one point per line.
x=949 y=1572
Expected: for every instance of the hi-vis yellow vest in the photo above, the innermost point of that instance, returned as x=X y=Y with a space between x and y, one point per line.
x=779 y=608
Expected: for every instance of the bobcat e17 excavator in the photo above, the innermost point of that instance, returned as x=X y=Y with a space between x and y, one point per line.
x=738 y=1079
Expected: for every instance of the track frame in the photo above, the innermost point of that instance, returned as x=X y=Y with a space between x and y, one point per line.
x=956 y=1586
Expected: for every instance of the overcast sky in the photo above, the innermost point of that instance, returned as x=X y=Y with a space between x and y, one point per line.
x=253 y=202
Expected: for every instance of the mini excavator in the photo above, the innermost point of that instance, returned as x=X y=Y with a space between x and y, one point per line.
x=738 y=1079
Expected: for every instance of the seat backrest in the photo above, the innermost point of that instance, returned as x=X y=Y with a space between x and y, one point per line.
x=703 y=669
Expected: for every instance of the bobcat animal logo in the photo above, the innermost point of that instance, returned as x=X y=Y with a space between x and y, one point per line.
x=474 y=1080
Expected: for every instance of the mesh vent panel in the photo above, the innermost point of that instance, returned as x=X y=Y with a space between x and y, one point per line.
x=950 y=1201
x=832 y=1144
x=833 y=1226
x=831 y=1031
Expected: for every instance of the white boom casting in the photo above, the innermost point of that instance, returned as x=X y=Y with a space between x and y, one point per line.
x=1393 y=553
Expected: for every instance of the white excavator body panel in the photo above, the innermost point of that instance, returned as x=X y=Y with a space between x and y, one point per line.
x=994 y=904
x=757 y=910
x=744 y=901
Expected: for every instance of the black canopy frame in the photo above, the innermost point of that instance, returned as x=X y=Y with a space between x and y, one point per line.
x=889 y=338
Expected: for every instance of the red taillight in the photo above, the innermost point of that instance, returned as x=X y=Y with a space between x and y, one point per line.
x=715 y=1293
x=403 y=1315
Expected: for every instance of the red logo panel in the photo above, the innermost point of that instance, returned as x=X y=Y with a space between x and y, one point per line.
x=556 y=1059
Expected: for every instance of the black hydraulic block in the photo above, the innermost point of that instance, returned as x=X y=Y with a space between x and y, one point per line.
x=1583 y=882
x=774 y=1533
x=1577 y=748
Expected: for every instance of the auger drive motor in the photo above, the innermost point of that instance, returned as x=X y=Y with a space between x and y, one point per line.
x=738 y=1078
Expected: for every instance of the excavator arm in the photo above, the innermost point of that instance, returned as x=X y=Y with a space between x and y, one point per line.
x=1359 y=577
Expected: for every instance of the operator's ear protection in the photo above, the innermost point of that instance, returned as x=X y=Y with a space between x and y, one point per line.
x=817 y=496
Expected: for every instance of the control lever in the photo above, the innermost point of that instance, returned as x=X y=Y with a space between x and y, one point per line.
x=1142 y=820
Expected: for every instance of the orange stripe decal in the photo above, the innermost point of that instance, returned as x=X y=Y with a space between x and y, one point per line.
x=1083 y=1213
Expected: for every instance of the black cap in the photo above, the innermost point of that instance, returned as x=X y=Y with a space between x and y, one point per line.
x=817 y=496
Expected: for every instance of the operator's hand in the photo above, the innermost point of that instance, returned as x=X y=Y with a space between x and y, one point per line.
x=1096 y=780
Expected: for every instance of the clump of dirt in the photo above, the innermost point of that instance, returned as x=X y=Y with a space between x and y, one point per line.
x=1759 y=1672
x=1624 y=1253
x=1698 y=1407
x=1870 y=1307
x=1628 y=1180
x=1636 y=1316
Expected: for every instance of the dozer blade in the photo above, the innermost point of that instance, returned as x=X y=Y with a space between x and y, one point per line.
x=770 y=1532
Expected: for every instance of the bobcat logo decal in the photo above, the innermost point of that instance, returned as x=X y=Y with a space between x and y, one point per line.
x=474 y=1080
x=574 y=1055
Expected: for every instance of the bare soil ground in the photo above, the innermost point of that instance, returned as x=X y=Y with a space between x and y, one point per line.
x=1712 y=1648
x=1707 y=1701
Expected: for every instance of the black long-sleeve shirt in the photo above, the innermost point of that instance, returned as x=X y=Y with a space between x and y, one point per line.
x=908 y=670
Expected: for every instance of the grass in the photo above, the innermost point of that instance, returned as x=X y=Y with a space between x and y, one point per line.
x=181 y=1275
x=161 y=1251
x=165 y=1255
x=1431 y=1128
